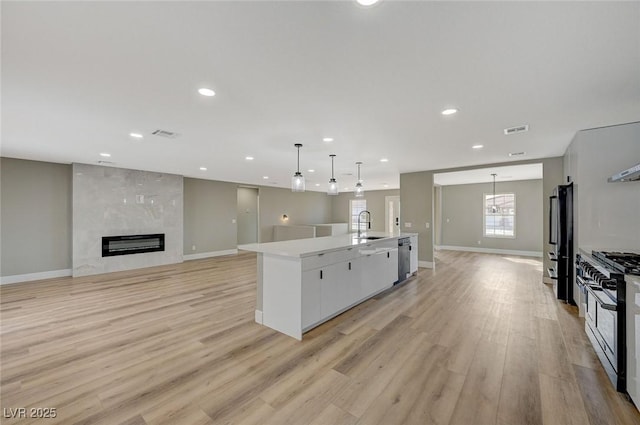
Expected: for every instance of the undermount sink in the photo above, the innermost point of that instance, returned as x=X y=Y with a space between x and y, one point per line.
x=372 y=238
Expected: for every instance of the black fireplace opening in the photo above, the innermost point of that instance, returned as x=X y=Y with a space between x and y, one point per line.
x=131 y=244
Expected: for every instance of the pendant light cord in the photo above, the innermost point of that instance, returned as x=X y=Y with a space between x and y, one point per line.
x=494 y=193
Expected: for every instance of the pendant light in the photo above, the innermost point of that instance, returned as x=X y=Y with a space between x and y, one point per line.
x=359 y=190
x=333 y=184
x=297 y=181
x=494 y=208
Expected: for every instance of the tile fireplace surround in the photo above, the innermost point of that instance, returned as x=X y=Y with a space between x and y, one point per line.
x=111 y=201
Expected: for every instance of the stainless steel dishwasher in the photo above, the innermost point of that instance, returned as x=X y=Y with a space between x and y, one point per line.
x=404 y=257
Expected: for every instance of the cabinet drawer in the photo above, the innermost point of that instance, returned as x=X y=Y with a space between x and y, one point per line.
x=328 y=258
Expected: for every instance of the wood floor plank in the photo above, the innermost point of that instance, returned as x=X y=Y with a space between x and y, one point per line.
x=477 y=340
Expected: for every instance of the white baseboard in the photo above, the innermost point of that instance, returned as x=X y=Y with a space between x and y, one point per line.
x=259 y=316
x=425 y=264
x=210 y=254
x=491 y=250
x=5 y=280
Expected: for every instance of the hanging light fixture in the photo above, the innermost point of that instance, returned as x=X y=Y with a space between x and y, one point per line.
x=297 y=181
x=333 y=184
x=494 y=208
x=359 y=190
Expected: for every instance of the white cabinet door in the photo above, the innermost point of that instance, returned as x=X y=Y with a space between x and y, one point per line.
x=390 y=260
x=369 y=275
x=311 y=298
x=413 y=257
x=339 y=287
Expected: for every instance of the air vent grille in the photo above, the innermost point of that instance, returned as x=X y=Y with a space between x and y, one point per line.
x=165 y=133
x=517 y=129
x=516 y=154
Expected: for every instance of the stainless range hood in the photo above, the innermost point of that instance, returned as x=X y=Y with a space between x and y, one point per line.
x=628 y=175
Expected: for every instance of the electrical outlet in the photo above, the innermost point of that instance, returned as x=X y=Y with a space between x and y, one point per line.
x=233 y=221
x=479 y=242
x=448 y=220
x=427 y=225
x=193 y=247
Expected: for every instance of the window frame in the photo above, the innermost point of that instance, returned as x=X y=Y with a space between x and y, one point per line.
x=484 y=216
x=353 y=223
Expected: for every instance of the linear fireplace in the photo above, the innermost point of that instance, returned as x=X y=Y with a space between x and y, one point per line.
x=131 y=244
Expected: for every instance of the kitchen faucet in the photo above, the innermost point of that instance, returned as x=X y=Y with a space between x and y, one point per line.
x=368 y=221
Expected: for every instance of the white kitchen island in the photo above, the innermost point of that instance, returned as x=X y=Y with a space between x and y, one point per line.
x=303 y=283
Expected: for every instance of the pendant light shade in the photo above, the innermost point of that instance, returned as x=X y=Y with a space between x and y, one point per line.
x=333 y=184
x=297 y=181
x=494 y=208
x=359 y=190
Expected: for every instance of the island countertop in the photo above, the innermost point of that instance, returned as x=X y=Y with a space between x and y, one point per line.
x=300 y=248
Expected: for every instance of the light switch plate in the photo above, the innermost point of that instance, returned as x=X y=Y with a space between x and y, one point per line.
x=233 y=220
x=427 y=224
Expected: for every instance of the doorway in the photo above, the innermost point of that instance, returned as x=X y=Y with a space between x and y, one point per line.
x=392 y=214
x=248 y=207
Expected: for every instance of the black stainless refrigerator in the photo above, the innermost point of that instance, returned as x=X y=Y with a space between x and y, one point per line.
x=561 y=241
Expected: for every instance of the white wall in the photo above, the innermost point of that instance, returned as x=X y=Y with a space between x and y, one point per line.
x=606 y=215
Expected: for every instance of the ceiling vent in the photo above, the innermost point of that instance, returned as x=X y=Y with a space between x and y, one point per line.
x=514 y=130
x=165 y=133
x=516 y=154
x=105 y=162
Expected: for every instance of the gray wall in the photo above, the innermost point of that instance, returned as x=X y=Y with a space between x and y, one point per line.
x=462 y=215
x=209 y=211
x=416 y=207
x=35 y=211
x=375 y=205
x=247 y=215
x=606 y=215
x=302 y=208
x=416 y=198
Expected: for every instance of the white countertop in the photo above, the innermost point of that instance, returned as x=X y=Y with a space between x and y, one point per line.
x=310 y=246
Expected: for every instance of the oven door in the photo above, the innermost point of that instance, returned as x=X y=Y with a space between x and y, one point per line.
x=601 y=317
x=608 y=329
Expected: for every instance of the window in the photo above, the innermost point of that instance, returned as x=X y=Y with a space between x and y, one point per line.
x=500 y=215
x=355 y=207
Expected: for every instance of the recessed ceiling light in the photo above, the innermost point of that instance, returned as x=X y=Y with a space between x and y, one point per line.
x=384 y=160
x=265 y=177
x=136 y=135
x=328 y=139
x=311 y=170
x=385 y=185
x=449 y=111
x=346 y=188
x=106 y=155
x=317 y=184
x=477 y=146
x=367 y=2
x=248 y=158
x=206 y=92
x=203 y=168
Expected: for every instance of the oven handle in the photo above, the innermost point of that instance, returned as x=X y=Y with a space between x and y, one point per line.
x=604 y=304
x=581 y=281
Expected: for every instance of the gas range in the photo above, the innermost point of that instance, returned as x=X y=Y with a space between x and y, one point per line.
x=600 y=277
x=622 y=262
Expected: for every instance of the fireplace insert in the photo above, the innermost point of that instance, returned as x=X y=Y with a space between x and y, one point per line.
x=131 y=244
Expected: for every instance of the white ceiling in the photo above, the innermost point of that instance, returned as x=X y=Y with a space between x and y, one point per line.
x=483 y=175
x=78 y=77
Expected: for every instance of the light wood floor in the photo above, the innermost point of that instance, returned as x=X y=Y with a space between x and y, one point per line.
x=479 y=341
